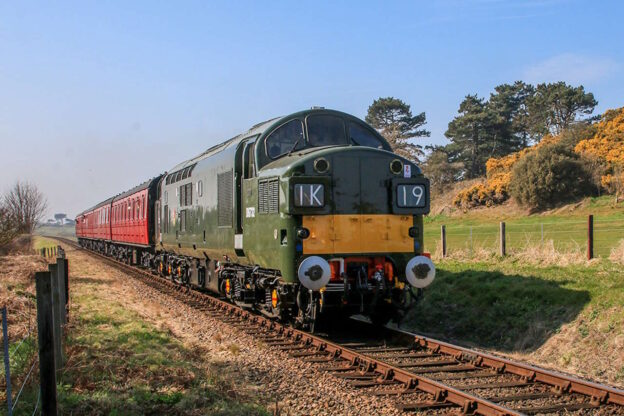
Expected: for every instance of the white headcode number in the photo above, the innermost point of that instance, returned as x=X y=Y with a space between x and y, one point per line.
x=309 y=195
x=411 y=196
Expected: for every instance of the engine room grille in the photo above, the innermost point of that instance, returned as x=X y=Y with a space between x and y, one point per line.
x=224 y=196
x=268 y=196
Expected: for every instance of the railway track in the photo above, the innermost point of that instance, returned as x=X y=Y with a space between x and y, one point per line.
x=421 y=374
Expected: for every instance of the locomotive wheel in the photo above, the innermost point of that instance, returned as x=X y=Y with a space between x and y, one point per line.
x=308 y=314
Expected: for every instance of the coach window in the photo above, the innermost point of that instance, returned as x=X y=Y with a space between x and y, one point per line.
x=361 y=136
x=183 y=220
x=144 y=207
x=138 y=209
x=189 y=194
x=287 y=138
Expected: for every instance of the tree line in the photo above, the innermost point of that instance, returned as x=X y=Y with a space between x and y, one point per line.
x=514 y=117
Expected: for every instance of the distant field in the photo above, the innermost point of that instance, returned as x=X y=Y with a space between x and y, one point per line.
x=67 y=231
x=567 y=229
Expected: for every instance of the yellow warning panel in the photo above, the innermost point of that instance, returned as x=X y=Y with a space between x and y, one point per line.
x=321 y=236
x=350 y=234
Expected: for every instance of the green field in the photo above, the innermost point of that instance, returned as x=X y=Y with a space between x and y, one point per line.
x=568 y=229
x=66 y=231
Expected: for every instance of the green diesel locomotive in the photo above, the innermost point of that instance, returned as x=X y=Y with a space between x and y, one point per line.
x=301 y=217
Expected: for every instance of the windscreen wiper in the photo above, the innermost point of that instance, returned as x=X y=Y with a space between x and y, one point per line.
x=292 y=149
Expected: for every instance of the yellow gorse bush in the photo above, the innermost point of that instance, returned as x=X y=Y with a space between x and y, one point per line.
x=608 y=145
x=495 y=190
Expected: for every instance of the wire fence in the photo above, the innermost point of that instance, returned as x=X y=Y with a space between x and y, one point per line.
x=18 y=356
x=21 y=364
x=566 y=236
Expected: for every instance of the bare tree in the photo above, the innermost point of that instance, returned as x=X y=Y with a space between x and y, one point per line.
x=8 y=226
x=26 y=204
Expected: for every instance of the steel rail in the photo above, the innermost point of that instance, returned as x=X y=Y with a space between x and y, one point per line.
x=442 y=393
x=562 y=382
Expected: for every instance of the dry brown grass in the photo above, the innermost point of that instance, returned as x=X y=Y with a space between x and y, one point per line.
x=531 y=253
x=17 y=291
x=617 y=253
x=547 y=255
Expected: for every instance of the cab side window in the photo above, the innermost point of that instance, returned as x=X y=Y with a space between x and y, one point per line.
x=287 y=138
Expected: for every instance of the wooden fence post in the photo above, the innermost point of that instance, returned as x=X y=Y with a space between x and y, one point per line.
x=56 y=307
x=503 y=243
x=443 y=238
x=45 y=332
x=60 y=274
x=63 y=266
x=590 y=237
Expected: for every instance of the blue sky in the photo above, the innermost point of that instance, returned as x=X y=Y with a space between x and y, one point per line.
x=95 y=97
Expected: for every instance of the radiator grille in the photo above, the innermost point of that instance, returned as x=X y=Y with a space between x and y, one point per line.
x=224 y=195
x=268 y=196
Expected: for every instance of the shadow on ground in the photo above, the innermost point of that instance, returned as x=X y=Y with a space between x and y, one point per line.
x=494 y=310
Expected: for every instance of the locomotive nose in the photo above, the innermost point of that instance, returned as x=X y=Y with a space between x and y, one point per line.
x=420 y=271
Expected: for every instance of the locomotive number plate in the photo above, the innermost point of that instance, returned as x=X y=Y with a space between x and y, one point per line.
x=409 y=196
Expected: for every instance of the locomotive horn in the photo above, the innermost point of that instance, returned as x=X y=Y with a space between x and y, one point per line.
x=314 y=272
x=420 y=271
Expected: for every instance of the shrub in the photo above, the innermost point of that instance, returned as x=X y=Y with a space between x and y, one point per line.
x=551 y=175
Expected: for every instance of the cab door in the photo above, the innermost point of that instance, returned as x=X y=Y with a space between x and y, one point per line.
x=244 y=169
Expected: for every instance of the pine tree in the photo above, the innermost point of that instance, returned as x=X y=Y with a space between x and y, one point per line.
x=473 y=135
x=554 y=107
x=394 y=120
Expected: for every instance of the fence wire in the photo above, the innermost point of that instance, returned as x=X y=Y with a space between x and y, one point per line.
x=10 y=358
x=566 y=236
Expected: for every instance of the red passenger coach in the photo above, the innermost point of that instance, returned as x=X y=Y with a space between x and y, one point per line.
x=123 y=226
x=94 y=224
x=132 y=217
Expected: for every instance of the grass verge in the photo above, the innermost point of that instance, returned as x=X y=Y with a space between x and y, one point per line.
x=571 y=317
